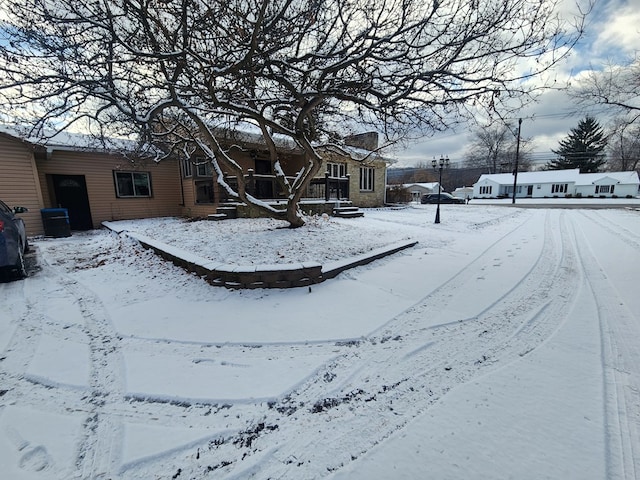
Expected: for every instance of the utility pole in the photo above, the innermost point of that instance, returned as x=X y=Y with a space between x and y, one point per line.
x=515 y=169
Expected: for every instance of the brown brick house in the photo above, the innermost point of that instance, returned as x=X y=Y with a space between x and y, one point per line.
x=353 y=173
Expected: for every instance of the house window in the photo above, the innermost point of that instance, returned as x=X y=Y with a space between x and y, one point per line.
x=204 y=191
x=486 y=190
x=366 y=179
x=203 y=168
x=559 y=188
x=337 y=170
x=132 y=184
x=604 y=188
x=187 y=167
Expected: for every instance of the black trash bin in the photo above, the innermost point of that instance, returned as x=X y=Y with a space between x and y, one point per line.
x=56 y=222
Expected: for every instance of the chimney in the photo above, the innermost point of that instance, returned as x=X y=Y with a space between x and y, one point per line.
x=367 y=141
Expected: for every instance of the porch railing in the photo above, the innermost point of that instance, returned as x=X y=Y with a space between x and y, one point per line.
x=265 y=187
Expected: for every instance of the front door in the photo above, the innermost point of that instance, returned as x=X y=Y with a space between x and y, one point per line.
x=71 y=193
x=529 y=190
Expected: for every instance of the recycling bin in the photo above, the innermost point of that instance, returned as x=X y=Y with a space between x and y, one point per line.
x=56 y=222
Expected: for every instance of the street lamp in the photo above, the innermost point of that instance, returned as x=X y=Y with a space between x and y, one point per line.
x=444 y=162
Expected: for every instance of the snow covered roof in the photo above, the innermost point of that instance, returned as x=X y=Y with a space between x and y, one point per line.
x=546 y=176
x=71 y=141
x=618 y=177
x=423 y=185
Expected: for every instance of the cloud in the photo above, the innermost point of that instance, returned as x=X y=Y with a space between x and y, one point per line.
x=612 y=34
x=616 y=31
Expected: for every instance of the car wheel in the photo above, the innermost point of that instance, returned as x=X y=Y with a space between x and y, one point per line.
x=21 y=271
x=26 y=246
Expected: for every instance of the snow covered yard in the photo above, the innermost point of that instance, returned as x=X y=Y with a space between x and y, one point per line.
x=504 y=345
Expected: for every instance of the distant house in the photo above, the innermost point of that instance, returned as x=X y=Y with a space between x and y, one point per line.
x=463 y=192
x=417 y=190
x=95 y=184
x=558 y=183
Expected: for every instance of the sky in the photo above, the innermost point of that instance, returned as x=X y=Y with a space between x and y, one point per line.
x=612 y=33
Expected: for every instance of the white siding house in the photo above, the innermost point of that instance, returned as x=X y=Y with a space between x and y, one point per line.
x=608 y=184
x=558 y=183
x=463 y=192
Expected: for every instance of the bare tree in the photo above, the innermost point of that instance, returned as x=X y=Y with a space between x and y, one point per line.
x=494 y=150
x=624 y=145
x=616 y=86
x=177 y=72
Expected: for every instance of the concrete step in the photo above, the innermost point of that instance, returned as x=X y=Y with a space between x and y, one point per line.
x=217 y=216
x=348 y=214
x=229 y=210
x=346 y=209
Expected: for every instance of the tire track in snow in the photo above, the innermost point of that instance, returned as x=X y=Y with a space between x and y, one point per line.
x=622 y=233
x=100 y=447
x=24 y=341
x=376 y=385
x=392 y=377
x=620 y=331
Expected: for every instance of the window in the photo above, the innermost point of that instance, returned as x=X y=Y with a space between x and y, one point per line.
x=559 y=188
x=133 y=184
x=337 y=170
x=366 y=179
x=486 y=190
x=604 y=188
x=203 y=168
x=186 y=167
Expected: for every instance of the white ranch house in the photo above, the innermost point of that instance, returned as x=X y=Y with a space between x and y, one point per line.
x=558 y=183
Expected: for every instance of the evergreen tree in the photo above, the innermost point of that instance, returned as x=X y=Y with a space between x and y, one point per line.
x=583 y=148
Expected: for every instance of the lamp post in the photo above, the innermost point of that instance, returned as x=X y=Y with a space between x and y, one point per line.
x=444 y=162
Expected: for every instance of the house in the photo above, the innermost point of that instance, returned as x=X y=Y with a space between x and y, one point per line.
x=417 y=190
x=92 y=183
x=352 y=173
x=463 y=192
x=558 y=183
x=608 y=184
x=96 y=184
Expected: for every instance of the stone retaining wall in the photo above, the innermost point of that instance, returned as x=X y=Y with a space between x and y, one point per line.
x=259 y=276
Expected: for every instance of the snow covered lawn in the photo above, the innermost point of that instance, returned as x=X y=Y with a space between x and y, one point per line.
x=504 y=345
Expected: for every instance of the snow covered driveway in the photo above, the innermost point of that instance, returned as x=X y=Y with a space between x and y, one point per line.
x=505 y=345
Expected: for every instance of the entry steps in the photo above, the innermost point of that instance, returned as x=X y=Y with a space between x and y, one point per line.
x=347 y=212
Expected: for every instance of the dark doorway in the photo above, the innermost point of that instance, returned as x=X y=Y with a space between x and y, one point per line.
x=71 y=193
x=529 y=190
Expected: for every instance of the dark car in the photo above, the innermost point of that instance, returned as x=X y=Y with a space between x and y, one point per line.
x=444 y=198
x=13 y=241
